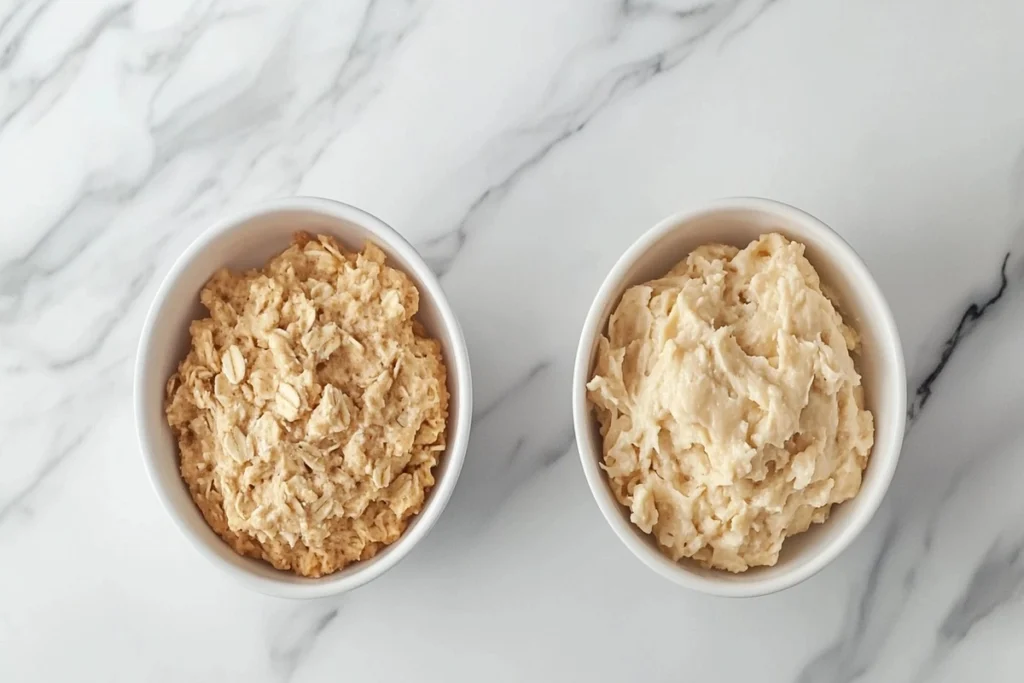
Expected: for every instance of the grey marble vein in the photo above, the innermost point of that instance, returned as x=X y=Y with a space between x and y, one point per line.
x=49 y=466
x=747 y=23
x=12 y=43
x=545 y=458
x=997 y=578
x=515 y=452
x=375 y=38
x=441 y=252
x=113 y=16
x=300 y=635
x=555 y=127
x=517 y=469
x=968 y=321
x=628 y=8
x=852 y=652
x=85 y=405
x=559 y=450
x=482 y=413
x=87 y=219
x=104 y=326
x=996 y=581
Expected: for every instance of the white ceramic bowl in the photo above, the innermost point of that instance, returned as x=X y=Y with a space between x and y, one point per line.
x=248 y=240
x=738 y=222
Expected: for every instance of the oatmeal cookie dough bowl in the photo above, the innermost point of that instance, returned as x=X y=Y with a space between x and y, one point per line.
x=384 y=491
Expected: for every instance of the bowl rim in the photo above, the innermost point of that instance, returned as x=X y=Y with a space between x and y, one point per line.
x=589 y=451
x=392 y=242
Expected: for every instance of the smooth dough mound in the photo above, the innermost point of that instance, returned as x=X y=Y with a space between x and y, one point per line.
x=311 y=407
x=731 y=412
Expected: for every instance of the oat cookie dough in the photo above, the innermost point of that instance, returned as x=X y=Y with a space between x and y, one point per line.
x=731 y=411
x=311 y=407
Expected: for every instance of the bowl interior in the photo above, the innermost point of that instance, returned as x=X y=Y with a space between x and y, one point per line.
x=880 y=363
x=249 y=243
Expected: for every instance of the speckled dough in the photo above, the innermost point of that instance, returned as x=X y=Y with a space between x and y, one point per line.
x=731 y=411
x=311 y=407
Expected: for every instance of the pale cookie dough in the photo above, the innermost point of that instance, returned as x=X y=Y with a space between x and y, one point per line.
x=731 y=412
x=311 y=407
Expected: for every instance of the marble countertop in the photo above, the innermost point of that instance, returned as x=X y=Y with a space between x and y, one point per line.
x=521 y=146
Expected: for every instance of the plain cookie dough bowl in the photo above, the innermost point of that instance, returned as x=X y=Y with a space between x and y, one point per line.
x=737 y=222
x=246 y=240
x=730 y=404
